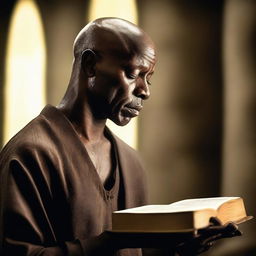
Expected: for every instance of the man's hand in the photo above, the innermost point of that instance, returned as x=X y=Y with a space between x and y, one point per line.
x=184 y=244
x=206 y=238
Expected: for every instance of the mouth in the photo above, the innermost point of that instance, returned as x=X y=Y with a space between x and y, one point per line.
x=132 y=110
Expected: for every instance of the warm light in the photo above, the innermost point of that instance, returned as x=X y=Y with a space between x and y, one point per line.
x=125 y=9
x=25 y=65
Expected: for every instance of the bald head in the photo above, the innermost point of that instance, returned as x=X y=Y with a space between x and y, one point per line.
x=113 y=36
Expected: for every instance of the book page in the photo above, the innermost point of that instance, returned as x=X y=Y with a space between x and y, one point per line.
x=187 y=205
x=201 y=203
x=158 y=208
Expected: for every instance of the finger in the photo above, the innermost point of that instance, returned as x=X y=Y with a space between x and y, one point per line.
x=212 y=231
x=228 y=229
x=237 y=233
x=231 y=227
x=216 y=228
x=232 y=230
x=215 y=221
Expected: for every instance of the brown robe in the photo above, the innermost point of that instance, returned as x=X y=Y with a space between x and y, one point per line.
x=51 y=198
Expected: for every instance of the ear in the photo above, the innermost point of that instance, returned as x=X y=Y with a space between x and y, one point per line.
x=88 y=62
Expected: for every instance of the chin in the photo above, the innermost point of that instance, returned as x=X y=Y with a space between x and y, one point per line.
x=121 y=121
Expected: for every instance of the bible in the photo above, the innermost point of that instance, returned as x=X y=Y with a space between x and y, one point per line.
x=183 y=216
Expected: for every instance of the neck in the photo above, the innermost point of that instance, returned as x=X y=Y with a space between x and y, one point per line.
x=88 y=128
x=75 y=107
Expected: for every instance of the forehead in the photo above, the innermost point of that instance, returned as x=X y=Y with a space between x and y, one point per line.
x=148 y=55
x=145 y=58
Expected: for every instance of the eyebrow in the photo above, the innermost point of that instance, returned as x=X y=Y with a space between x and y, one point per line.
x=147 y=68
x=141 y=65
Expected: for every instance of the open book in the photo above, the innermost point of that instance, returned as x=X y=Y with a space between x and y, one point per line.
x=182 y=216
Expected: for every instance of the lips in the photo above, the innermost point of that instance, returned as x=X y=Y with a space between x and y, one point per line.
x=132 y=110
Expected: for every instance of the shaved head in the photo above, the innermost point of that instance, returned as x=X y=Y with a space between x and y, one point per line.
x=113 y=36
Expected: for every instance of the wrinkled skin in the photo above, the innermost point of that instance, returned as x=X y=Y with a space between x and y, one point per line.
x=120 y=86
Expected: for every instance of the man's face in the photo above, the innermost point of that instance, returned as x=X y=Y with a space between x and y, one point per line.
x=120 y=85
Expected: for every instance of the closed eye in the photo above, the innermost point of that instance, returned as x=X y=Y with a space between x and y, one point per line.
x=131 y=76
x=130 y=73
x=148 y=77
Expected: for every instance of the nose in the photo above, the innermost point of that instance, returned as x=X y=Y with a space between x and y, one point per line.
x=142 y=90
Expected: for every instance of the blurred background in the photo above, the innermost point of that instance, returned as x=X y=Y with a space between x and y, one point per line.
x=197 y=133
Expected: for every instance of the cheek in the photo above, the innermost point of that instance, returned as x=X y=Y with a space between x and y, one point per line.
x=120 y=87
x=126 y=86
x=113 y=87
x=123 y=92
x=104 y=86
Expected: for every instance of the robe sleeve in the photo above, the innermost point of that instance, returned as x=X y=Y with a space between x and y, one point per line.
x=26 y=227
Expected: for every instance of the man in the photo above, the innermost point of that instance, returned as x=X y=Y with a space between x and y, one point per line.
x=65 y=173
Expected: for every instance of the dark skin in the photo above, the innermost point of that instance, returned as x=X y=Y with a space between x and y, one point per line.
x=113 y=63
